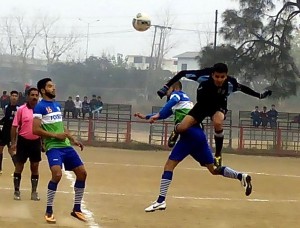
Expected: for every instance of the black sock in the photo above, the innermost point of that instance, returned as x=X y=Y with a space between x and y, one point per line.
x=1 y=159
x=17 y=181
x=219 y=138
x=34 y=182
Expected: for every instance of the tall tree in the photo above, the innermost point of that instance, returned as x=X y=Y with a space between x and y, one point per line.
x=262 y=38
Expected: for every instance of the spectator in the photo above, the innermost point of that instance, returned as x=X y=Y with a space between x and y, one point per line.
x=22 y=99
x=69 y=107
x=99 y=107
x=264 y=117
x=93 y=104
x=256 y=117
x=85 y=107
x=78 y=106
x=4 y=99
x=272 y=116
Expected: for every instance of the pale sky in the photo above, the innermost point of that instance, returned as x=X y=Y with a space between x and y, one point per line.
x=114 y=32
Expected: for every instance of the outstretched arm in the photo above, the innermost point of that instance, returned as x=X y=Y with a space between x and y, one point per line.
x=189 y=74
x=251 y=92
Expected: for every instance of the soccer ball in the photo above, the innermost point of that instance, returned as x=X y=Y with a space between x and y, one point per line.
x=141 y=22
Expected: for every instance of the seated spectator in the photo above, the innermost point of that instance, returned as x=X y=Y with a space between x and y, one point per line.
x=264 y=117
x=98 y=107
x=69 y=107
x=272 y=116
x=78 y=106
x=256 y=117
x=85 y=107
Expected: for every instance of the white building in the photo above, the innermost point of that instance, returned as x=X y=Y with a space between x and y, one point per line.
x=187 y=61
x=142 y=62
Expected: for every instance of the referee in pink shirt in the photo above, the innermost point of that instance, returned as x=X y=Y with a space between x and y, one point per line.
x=26 y=144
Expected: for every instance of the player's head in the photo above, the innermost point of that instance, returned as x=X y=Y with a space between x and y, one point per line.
x=14 y=96
x=219 y=75
x=47 y=88
x=177 y=86
x=32 y=96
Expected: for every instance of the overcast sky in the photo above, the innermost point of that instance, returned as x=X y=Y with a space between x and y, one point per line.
x=114 y=33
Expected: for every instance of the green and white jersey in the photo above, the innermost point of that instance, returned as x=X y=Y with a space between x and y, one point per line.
x=182 y=106
x=50 y=114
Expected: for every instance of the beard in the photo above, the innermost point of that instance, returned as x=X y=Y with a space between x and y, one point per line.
x=50 y=95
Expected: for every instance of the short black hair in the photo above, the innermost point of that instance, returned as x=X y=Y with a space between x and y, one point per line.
x=220 y=68
x=31 y=89
x=14 y=92
x=42 y=83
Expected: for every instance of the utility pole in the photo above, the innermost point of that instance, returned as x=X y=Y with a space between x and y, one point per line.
x=87 y=35
x=216 y=32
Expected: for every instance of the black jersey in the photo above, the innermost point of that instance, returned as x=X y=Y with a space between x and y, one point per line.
x=208 y=93
x=7 y=120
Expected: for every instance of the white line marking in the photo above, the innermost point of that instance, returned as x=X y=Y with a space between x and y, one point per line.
x=178 y=197
x=185 y=168
x=89 y=215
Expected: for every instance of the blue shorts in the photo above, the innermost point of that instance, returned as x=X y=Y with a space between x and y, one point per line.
x=67 y=156
x=193 y=142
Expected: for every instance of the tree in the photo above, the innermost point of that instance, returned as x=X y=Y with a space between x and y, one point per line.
x=262 y=43
x=55 y=45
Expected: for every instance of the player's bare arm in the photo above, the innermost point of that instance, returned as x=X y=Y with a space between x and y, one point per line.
x=13 y=134
x=73 y=140
x=38 y=130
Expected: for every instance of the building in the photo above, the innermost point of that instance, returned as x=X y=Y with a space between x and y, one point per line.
x=142 y=63
x=187 y=61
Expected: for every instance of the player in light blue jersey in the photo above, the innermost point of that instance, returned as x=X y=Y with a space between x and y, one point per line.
x=192 y=142
x=48 y=124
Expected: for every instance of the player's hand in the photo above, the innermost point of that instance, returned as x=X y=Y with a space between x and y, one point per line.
x=163 y=91
x=265 y=94
x=139 y=115
x=153 y=118
x=61 y=136
x=77 y=143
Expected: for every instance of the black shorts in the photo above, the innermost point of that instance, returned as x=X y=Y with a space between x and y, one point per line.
x=201 y=111
x=5 y=138
x=28 y=149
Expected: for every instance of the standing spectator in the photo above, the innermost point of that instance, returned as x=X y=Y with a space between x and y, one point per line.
x=21 y=99
x=85 y=107
x=78 y=106
x=264 y=117
x=99 y=107
x=4 y=100
x=69 y=107
x=273 y=116
x=256 y=117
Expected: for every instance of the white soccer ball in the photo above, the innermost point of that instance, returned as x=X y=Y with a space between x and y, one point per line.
x=141 y=22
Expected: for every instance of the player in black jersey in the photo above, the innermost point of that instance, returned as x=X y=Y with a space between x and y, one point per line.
x=214 y=88
x=6 y=121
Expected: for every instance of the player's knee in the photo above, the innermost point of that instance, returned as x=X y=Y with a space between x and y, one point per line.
x=56 y=176
x=81 y=175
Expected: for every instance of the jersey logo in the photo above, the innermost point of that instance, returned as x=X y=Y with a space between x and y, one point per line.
x=49 y=110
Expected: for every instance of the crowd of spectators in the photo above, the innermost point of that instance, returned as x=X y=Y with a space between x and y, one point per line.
x=264 y=118
x=82 y=109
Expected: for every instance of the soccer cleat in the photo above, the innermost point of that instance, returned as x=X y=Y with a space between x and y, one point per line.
x=246 y=183
x=156 y=206
x=17 y=195
x=79 y=215
x=172 y=139
x=218 y=161
x=50 y=218
x=1 y=172
x=35 y=196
